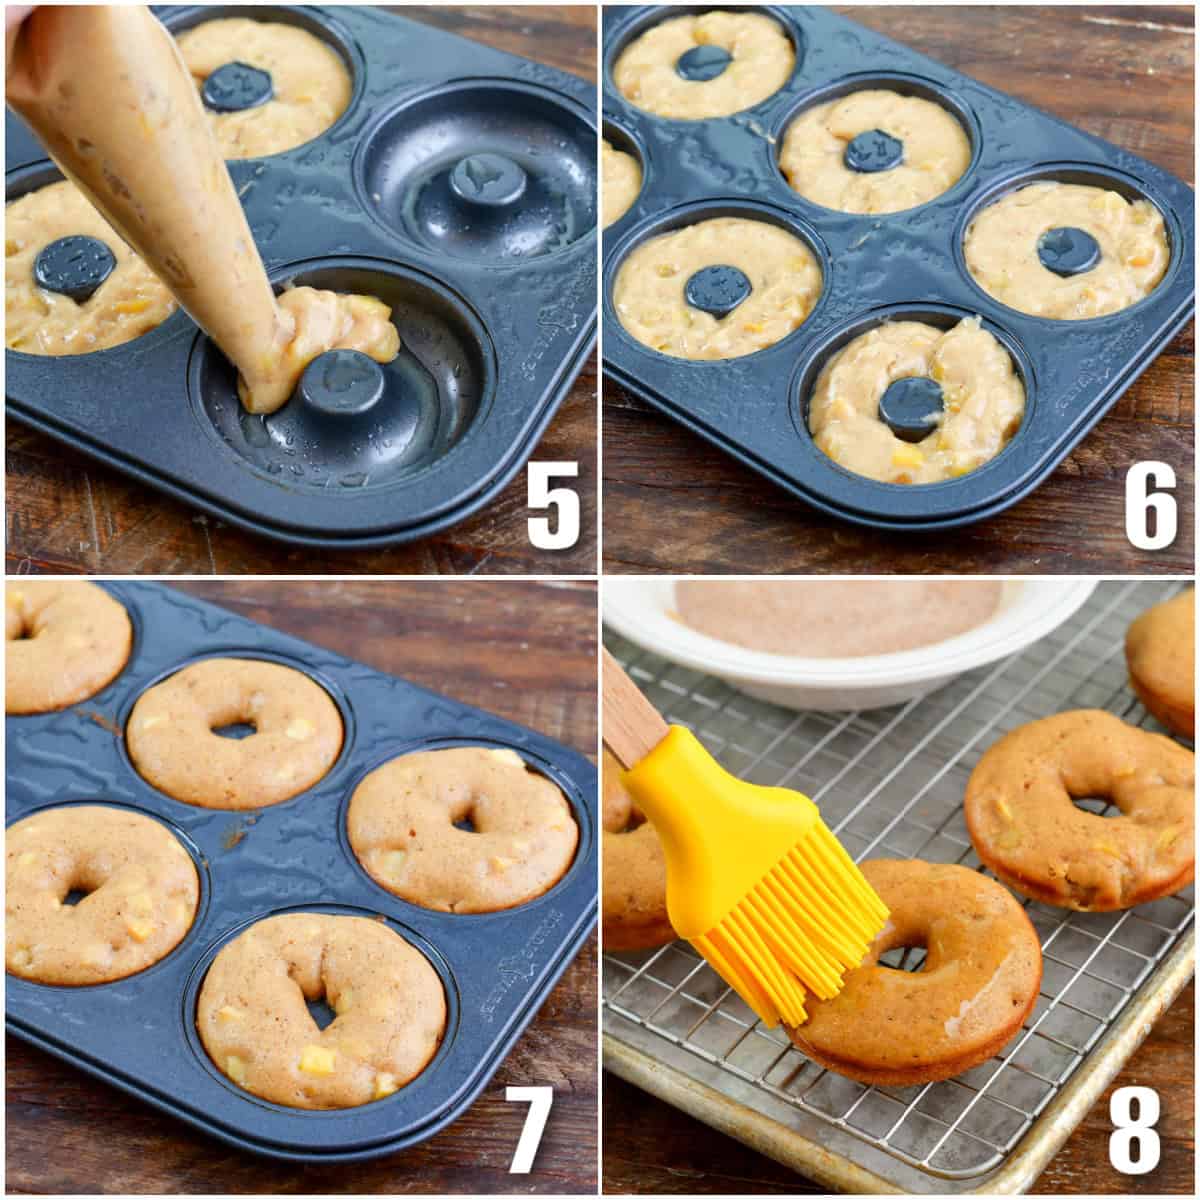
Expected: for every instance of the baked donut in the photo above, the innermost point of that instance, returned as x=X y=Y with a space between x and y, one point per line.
x=634 y=910
x=982 y=401
x=254 y=1022
x=1004 y=244
x=651 y=289
x=622 y=181
x=310 y=86
x=819 y=152
x=173 y=741
x=140 y=884
x=65 y=642
x=978 y=983
x=761 y=62
x=1024 y=826
x=404 y=826
x=1160 y=648
x=130 y=302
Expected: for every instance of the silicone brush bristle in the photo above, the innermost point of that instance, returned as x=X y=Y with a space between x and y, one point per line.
x=807 y=922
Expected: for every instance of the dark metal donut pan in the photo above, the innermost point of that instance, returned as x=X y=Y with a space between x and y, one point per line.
x=139 y=1033
x=904 y=264
x=494 y=296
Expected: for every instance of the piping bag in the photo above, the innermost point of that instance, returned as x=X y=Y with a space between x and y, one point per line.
x=108 y=93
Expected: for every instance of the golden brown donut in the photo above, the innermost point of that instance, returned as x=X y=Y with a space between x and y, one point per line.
x=141 y=894
x=1160 y=648
x=172 y=740
x=635 y=873
x=978 y=983
x=254 y=1022
x=66 y=641
x=403 y=817
x=1024 y=826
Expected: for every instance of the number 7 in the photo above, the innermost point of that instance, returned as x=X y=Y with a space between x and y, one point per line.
x=539 y=1100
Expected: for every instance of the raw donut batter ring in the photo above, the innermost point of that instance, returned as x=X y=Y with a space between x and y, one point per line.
x=402 y=823
x=173 y=742
x=141 y=894
x=131 y=301
x=978 y=983
x=622 y=181
x=982 y=401
x=761 y=62
x=651 y=289
x=1003 y=250
x=65 y=642
x=309 y=82
x=635 y=872
x=1024 y=826
x=818 y=146
x=254 y=1022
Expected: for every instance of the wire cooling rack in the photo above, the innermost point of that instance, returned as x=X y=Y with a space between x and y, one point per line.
x=890 y=784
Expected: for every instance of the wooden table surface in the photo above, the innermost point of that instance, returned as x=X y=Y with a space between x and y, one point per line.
x=650 y=1147
x=673 y=503
x=68 y=513
x=524 y=650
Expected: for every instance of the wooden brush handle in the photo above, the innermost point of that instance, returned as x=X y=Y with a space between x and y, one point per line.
x=632 y=726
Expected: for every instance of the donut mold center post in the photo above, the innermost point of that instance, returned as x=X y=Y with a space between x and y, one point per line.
x=237 y=86
x=1067 y=250
x=702 y=63
x=488 y=180
x=912 y=407
x=872 y=151
x=74 y=266
x=717 y=290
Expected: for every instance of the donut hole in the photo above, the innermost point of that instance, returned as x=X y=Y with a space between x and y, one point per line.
x=74 y=896
x=466 y=824
x=321 y=1011
x=904 y=958
x=236 y=730
x=1098 y=806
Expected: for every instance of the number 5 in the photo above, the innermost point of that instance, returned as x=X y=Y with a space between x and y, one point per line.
x=539 y=1100
x=563 y=500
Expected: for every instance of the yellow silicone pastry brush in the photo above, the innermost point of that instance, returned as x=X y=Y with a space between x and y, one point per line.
x=755 y=880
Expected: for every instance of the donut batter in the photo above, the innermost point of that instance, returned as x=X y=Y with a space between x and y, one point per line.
x=255 y=1024
x=310 y=82
x=763 y=61
x=936 y=152
x=107 y=92
x=822 y=618
x=622 y=181
x=785 y=280
x=983 y=396
x=1001 y=249
x=130 y=302
x=140 y=892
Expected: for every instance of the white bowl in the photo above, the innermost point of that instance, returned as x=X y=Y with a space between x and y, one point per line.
x=640 y=609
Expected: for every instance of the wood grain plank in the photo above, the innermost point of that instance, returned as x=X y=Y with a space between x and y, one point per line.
x=674 y=503
x=525 y=650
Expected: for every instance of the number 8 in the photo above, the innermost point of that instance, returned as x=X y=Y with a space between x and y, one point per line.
x=1127 y=1131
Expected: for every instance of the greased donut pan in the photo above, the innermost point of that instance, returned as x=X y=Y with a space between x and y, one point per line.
x=495 y=304
x=902 y=265
x=139 y=1033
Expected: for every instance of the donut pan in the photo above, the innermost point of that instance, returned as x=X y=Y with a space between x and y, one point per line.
x=901 y=265
x=139 y=1033
x=494 y=297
